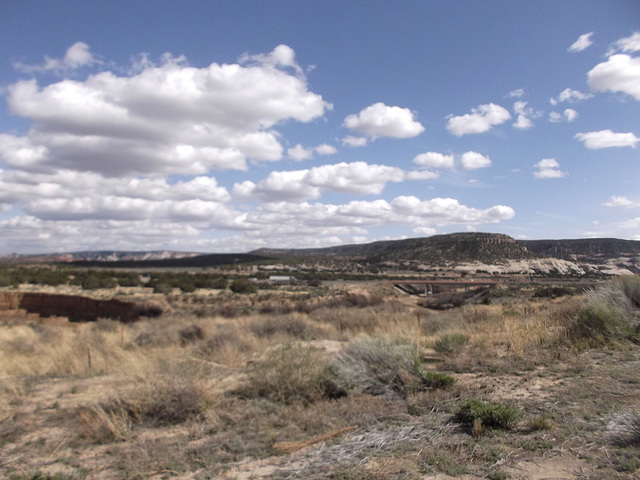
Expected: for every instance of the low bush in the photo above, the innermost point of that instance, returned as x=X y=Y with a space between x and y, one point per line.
x=377 y=366
x=625 y=428
x=289 y=374
x=242 y=285
x=438 y=380
x=451 y=343
x=105 y=423
x=606 y=315
x=190 y=334
x=290 y=325
x=477 y=415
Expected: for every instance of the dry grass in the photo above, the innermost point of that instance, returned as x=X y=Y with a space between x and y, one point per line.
x=191 y=394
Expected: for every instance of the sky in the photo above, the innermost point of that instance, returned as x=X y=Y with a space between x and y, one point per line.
x=214 y=126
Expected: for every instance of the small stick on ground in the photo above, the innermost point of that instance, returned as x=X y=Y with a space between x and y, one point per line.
x=290 y=447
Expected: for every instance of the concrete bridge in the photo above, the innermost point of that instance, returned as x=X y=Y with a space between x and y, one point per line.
x=409 y=286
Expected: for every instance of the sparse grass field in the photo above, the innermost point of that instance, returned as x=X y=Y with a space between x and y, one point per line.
x=321 y=383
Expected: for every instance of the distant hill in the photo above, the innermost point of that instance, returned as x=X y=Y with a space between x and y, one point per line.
x=196 y=261
x=595 y=250
x=471 y=251
x=450 y=248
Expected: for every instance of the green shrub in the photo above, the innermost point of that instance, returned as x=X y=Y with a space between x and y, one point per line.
x=451 y=343
x=630 y=286
x=598 y=322
x=438 y=380
x=474 y=412
x=242 y=285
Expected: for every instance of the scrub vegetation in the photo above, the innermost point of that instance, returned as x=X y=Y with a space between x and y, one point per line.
x=342 y=380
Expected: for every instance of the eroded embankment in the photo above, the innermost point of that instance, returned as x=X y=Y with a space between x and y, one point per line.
x=76 y=308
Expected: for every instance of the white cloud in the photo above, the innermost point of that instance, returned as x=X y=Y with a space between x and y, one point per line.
x=279 y=186
x=281 y=56
x=380 y=120
x=627 y=44
x=607 y=139
x=548 y=168
x=620 y=73
x=424 y=231
x=77 y=55
x=326 y=149
x=615 y=201
x=434 y=160
x=517 y=93
x=474 y=160
x=583 y=42
x=634 y=223
x=351 y=141
x=523 y=121
x=357 y=178
x=421 y=175
x=569 y=115
x=571 y=96
x=555 y=117
x=300 y=153
x=480 y=120
x=171 y=118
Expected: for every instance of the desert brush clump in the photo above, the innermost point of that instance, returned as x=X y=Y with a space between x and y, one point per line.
x=292 y=325
x=451 y=343
x=625 y=427
x=609 y=313
x=289 y=373
x=160 y=401
x=477 y=414
x=378 y=366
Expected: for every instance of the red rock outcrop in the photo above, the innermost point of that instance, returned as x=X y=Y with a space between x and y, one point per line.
x=74 y=307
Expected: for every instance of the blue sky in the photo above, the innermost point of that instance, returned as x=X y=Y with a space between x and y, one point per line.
x=229 y=126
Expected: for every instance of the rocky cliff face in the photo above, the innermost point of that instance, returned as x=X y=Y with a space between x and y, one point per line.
x=74 y=307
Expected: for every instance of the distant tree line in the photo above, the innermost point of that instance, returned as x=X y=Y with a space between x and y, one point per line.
x=91 y=279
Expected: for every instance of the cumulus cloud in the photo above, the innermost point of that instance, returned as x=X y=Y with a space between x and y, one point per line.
x=569 y=115
x=474 y=160
x=616 y=201
x=170 y=118
x=351 y=141
x=583 y=42
x=434 y=160
x=281 y=56
x=480 y=120
x=548 y=168
x=356 y=178
x=570 y=95
x=620 y=73
x=326 y=149
x=77 y=55
x=523 y=122
x=607 y=139
x=300 y=153
x=404 y=210
x=380 y=120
